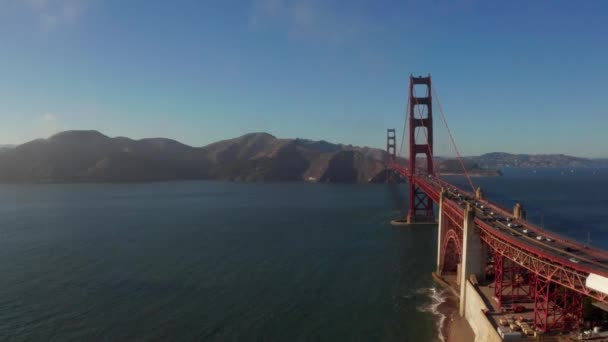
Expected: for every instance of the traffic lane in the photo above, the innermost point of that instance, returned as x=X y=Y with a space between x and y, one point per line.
x=596 y=257
x=554 y=247
x=546 y=241
x=558 y=250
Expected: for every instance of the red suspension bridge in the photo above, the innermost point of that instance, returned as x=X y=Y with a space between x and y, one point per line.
x=475 y=234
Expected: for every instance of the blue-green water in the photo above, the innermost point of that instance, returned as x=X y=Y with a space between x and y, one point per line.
x=213 y=261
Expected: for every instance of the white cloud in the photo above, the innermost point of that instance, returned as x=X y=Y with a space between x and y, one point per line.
x=310 y=19
x=48 y=124
x=49 y=117
x=51 y=13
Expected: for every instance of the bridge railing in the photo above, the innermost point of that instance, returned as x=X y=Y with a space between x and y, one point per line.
x=497 y=208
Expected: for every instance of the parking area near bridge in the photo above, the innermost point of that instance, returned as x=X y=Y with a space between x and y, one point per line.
x=516 y=318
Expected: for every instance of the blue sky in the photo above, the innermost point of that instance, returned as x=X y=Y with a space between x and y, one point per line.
x=514 y=76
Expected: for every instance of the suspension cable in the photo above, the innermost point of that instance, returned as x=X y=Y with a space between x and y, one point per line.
x=404 y=127
x=445 y=122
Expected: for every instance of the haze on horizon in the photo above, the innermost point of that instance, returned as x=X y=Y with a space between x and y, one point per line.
x=512 y=77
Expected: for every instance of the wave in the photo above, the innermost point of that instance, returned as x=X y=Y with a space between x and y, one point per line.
x=437 y=298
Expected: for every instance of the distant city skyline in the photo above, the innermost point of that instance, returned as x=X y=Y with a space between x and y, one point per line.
x=512 y=77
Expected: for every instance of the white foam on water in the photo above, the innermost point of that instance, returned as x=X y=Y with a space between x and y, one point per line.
x=436 y=299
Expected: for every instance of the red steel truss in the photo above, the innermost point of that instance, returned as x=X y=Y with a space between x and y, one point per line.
x=512 y=281
x=451 y=251
x=538 y=264
x=451 y=241
x=556 y=307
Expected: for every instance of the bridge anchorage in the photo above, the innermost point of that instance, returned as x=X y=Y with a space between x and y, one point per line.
x=513 y=277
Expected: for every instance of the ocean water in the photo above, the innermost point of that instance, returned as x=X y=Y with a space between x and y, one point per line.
x=211 y=261
x=215 y=261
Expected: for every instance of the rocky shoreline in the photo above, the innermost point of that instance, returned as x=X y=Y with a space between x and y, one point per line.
x=454 y=327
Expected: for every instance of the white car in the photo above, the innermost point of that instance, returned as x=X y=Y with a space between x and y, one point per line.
x=574 y=260
x=539 y=238
x=525 y=230
x=548 y=240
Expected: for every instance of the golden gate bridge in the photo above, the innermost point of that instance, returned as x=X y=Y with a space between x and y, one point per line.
x=530 y=265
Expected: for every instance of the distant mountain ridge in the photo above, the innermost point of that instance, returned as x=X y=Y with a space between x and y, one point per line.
x=90 y=156
x=500 y=160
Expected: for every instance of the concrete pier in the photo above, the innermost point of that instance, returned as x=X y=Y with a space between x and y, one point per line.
x=441 y=228
x=472 y=257
x=519 y=212
x=472 y=306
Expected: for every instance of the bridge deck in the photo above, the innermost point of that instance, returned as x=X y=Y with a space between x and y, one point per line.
x=497 y=222
x=571 y=253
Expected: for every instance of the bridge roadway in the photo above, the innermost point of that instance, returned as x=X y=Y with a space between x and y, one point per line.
x=551 y=256
x=525 y=232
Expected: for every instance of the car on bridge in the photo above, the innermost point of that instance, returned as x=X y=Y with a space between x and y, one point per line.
x=519 y=308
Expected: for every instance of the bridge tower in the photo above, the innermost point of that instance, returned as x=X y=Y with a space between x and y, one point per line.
x=420 y=205
x=391 y=151
x=391 y=146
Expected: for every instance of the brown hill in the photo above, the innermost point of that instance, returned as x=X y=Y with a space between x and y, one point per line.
x=78 y=156
x=89 y=156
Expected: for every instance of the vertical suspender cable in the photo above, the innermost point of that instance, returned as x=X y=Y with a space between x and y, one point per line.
x=404 y=128
x=452 y=138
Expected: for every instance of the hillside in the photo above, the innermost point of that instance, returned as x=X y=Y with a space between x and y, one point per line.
x=454 y=166
x=263 y=157
x=90 y=156
x=77 y=156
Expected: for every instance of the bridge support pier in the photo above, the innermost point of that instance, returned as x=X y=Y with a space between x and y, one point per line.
x=441 y=230
x=519 y=212
x=479 y=194
x=473 y=259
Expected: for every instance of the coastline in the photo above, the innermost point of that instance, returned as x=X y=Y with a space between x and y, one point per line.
x=489 y=174
x=453 y=328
